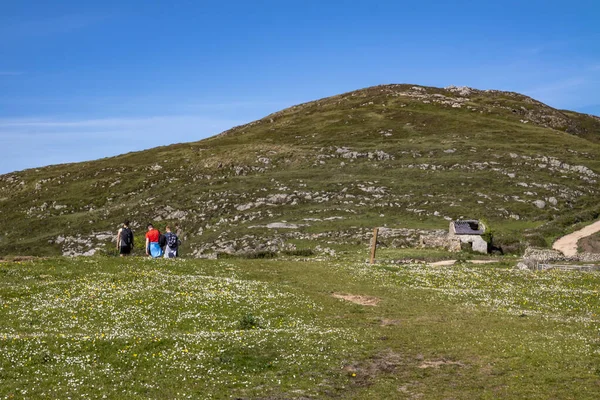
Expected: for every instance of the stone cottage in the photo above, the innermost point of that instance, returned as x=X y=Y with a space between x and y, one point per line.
x=467 y=231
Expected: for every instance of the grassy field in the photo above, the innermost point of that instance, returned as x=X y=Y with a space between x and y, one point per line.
x=136 y=328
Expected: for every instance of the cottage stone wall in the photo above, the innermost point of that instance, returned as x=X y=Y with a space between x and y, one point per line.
x=477 y=242
x=452 y=241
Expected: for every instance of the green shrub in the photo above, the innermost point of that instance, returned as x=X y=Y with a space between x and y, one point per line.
x=249 y=255
x=536 y=240
x=260 y=254
x=299 y=252
x=249 y=321
x=488 y=235
x=509 y=245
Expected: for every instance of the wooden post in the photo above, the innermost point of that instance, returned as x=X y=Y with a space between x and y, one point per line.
x=374 y=245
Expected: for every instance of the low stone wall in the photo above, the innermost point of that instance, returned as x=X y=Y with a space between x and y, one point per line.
x=450 y=242
x=589 y=257
x=535 y=256
x=411 y=237
x=544 y=255
x=433 y=240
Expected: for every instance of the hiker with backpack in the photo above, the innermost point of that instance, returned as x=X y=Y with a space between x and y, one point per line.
x=153 y=248
x=171 y=243
x=125 y=240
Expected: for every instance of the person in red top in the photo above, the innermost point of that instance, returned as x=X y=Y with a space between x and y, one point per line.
x=152 y=238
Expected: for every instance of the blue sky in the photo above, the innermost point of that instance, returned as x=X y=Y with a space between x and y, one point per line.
x=83 y=80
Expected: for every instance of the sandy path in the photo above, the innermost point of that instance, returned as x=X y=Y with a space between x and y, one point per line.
x=445 y=263
x=442 y=263
x=568 y=244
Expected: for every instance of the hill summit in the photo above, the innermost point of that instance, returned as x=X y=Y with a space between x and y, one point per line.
x=322 y=174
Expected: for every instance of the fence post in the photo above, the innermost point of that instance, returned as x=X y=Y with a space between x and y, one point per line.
x=374 y=245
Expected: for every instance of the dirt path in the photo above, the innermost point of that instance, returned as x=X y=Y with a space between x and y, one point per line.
x=446 y=263
x=568 y=244
x=357 y=299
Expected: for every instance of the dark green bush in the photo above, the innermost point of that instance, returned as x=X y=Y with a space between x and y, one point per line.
x=260 y=254
x=299 y=252
x=248 y=321
x=508 y=245
x=249 y=255
x=536 y=240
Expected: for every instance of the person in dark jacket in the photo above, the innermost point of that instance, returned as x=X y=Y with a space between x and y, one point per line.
x=125 y=240
x=172 y=243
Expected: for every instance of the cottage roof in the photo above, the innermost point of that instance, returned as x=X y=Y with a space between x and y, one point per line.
x=468 y=227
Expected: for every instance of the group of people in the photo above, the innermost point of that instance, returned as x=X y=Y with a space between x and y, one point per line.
x=157 y=244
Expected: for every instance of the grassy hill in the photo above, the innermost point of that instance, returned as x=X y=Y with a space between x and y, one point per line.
x=324 y=174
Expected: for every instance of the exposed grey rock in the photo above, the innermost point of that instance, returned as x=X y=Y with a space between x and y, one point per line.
x=278 y=198
x=325 y=250
x=589 y=257
x=371 y=189
x=375 y=155
x=282 y=225
x=351 y=154
x=539 y=203
x=103 y=236
x=543 y=255
x=379 y=155
x=244 y=207
x=522 y=266
x=460 y=90
x=180 y=215
x=240 y=171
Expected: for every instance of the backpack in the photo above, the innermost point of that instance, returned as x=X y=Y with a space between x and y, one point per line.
x=162 y=240
x=172 y=241
x=126 y=237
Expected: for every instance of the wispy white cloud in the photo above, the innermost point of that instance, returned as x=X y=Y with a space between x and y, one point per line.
x=556 y=87
x=46 y=26
x=36 y=142
x=158 y=122
x=128 y=105
x=575 y=93
x=540 y=48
